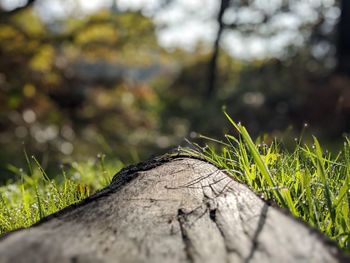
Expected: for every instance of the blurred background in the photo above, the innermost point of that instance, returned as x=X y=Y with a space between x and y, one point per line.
x=132 y=78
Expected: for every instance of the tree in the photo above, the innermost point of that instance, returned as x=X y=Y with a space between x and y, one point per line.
x=343 y=45
x=60 y=69
x=262 y=22
x=215 y=53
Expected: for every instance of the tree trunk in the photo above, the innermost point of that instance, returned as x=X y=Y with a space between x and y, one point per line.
x=212 y=69
x=170 y=210
x=343 y=45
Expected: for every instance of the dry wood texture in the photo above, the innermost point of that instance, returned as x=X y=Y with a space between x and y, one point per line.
x=170 y=210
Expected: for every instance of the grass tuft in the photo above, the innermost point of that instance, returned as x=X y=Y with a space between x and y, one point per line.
x=36 y=194
x=312 y=184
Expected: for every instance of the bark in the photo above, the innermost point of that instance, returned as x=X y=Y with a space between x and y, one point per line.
x=170 y=210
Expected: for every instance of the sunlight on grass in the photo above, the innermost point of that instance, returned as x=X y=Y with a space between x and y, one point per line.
x=35 y=195
x=312 y=184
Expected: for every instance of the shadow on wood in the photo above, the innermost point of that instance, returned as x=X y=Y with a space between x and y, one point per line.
x=170 y=210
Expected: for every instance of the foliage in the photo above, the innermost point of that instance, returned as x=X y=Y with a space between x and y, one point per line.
x=67 y=86
x=35 y=195
x=101 y=83
x=313 y=184
x=273 y=96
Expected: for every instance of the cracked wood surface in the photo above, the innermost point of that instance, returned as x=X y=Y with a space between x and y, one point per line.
x=177 y=210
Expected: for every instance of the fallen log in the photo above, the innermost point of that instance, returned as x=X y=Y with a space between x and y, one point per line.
x=170 y=210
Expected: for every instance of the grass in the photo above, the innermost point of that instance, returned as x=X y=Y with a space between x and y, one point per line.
x=311 y=183
x=35 y=195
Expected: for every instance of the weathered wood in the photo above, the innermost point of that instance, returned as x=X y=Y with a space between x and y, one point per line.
x=178 y=210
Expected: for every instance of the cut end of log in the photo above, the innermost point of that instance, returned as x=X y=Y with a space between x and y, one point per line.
x=170 y=210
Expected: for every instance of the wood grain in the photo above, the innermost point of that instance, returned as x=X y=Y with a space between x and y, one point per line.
x=170 y=210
